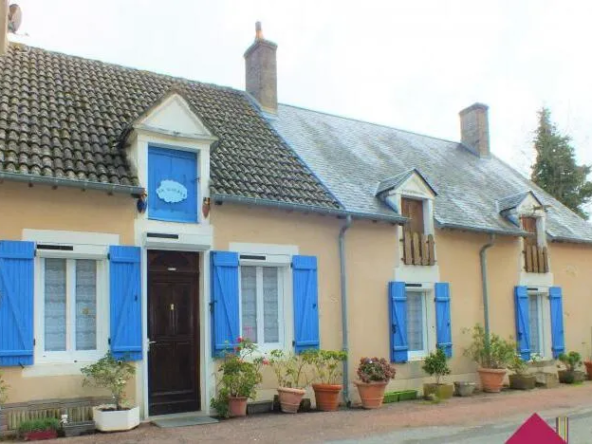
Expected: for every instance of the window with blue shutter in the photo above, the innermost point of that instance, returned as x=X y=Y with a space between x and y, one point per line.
x=126 y=302
x=224 y=301
x=521 y=304
x=306 y=311
x=443 y=331
x=398 y=321
x=172 y=185
x=557 y=335
x=16 y=303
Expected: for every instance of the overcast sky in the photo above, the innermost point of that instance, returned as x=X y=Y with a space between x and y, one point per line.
x=410 y=64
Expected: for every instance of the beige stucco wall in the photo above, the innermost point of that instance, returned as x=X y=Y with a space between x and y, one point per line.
x=43 y=208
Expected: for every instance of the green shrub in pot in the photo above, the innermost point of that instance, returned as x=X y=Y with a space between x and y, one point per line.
x=435 y=364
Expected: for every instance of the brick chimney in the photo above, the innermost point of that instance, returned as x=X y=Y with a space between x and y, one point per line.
x=3 y=27
x=474 y=129
x=261 y=71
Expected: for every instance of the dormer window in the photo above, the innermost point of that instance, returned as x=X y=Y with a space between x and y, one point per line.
x=418 y=248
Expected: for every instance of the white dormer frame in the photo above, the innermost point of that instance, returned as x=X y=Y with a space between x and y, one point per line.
x=415 y=187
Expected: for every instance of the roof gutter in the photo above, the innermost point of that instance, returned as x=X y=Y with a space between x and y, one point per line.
x=306 y=208
x=517 y=233
x=32 y=179
x=570 y=240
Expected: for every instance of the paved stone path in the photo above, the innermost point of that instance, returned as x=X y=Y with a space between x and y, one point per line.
x=412 y=421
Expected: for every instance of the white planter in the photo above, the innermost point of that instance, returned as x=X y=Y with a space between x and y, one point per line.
x=116 y=420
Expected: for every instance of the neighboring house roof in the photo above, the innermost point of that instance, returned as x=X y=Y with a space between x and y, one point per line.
x=351 y=156
x=62 y=119
x=396 y=181
x=511 y=202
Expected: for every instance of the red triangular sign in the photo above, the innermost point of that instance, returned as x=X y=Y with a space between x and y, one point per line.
x=535 y=430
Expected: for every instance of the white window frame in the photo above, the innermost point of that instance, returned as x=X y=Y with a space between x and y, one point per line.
x=544 y=317
x=262 y=346
x=428 y=307
x=71 y=355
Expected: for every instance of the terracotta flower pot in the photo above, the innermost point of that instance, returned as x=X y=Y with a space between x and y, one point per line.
x=492 y=379
x=237 y=406
x=588 y=365
x=290 y=398
x=371 y=393
x=327 y=396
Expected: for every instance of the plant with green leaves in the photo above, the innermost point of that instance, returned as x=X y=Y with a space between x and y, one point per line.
x=326 y=365
x=518 y=365
x=3 y=390
x=490 y=351
x=111 y=374
x=241 y=374
x=39 y=425
x=291 y=370
x=435 y=364
x=556 y=170
x=571 y=360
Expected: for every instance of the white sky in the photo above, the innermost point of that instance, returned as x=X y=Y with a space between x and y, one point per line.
x=411 y=64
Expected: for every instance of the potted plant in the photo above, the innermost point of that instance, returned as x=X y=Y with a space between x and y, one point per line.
x=493 y=354
x=521 y=379
x=588 y=365
x=570 y=374
x=464 y=388
x=435 y=365
x=39 y=429
x=326 y=367
x=113 y=375
x=374 y=374
x=290 y=371
x=240 y=377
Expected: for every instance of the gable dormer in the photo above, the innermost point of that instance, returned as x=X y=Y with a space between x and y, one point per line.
x=411 y=195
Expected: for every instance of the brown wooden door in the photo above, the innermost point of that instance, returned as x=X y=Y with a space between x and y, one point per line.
x=413 y=209
x=529 y=224
x=173 y=329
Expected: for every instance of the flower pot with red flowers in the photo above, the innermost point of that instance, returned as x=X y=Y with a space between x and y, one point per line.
x=112 y=374
x=374 y=374
x=240 y=375
x=291 y=371
x=39 y=429
x=326 y=369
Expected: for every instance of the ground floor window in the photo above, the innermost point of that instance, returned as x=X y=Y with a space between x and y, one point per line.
x=537 y=331
x=417 y=323
x=69 y=309
x=261 y=304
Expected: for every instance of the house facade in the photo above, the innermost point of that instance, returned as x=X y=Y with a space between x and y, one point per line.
x=162 y=218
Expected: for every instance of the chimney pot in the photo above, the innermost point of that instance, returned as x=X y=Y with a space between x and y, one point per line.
x=261 y=71
x=474 y=129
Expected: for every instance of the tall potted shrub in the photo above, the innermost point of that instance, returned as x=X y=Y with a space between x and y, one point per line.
x=493 y=354
x=112 y=374
x=435 y=365
x=571 y=361
x=241 y=374
x=374 y=374
x=326 y=368
x=521 y=379
x=291 y=373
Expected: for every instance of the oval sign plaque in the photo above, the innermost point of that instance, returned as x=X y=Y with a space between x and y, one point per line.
x=171 y=191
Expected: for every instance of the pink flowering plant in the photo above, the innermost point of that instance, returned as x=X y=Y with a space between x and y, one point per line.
x=375 y=370
x=240 y=375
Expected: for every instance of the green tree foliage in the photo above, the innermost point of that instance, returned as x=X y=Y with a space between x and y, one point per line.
x=555 y=169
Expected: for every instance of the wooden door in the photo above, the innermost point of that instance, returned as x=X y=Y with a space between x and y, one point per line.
x=413 y=209
x=173 y=330
x=529 y=224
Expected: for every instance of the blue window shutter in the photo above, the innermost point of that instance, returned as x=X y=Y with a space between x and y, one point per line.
x=398 y=321
x=522 y=321
x=170 y=174
x=224 y=303
x=16 y=303
x=306 y=310
x=126 y=302
x=557 y=337
x=443 y=332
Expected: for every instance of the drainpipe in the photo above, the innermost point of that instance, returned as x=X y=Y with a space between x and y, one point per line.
x=344 y=323
x=483 y=258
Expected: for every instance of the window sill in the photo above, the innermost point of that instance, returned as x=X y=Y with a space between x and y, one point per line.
x=54 y=369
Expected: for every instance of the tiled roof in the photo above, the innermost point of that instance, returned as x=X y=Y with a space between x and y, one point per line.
x=511 y=202
x=63 y=117
x=351 y=157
